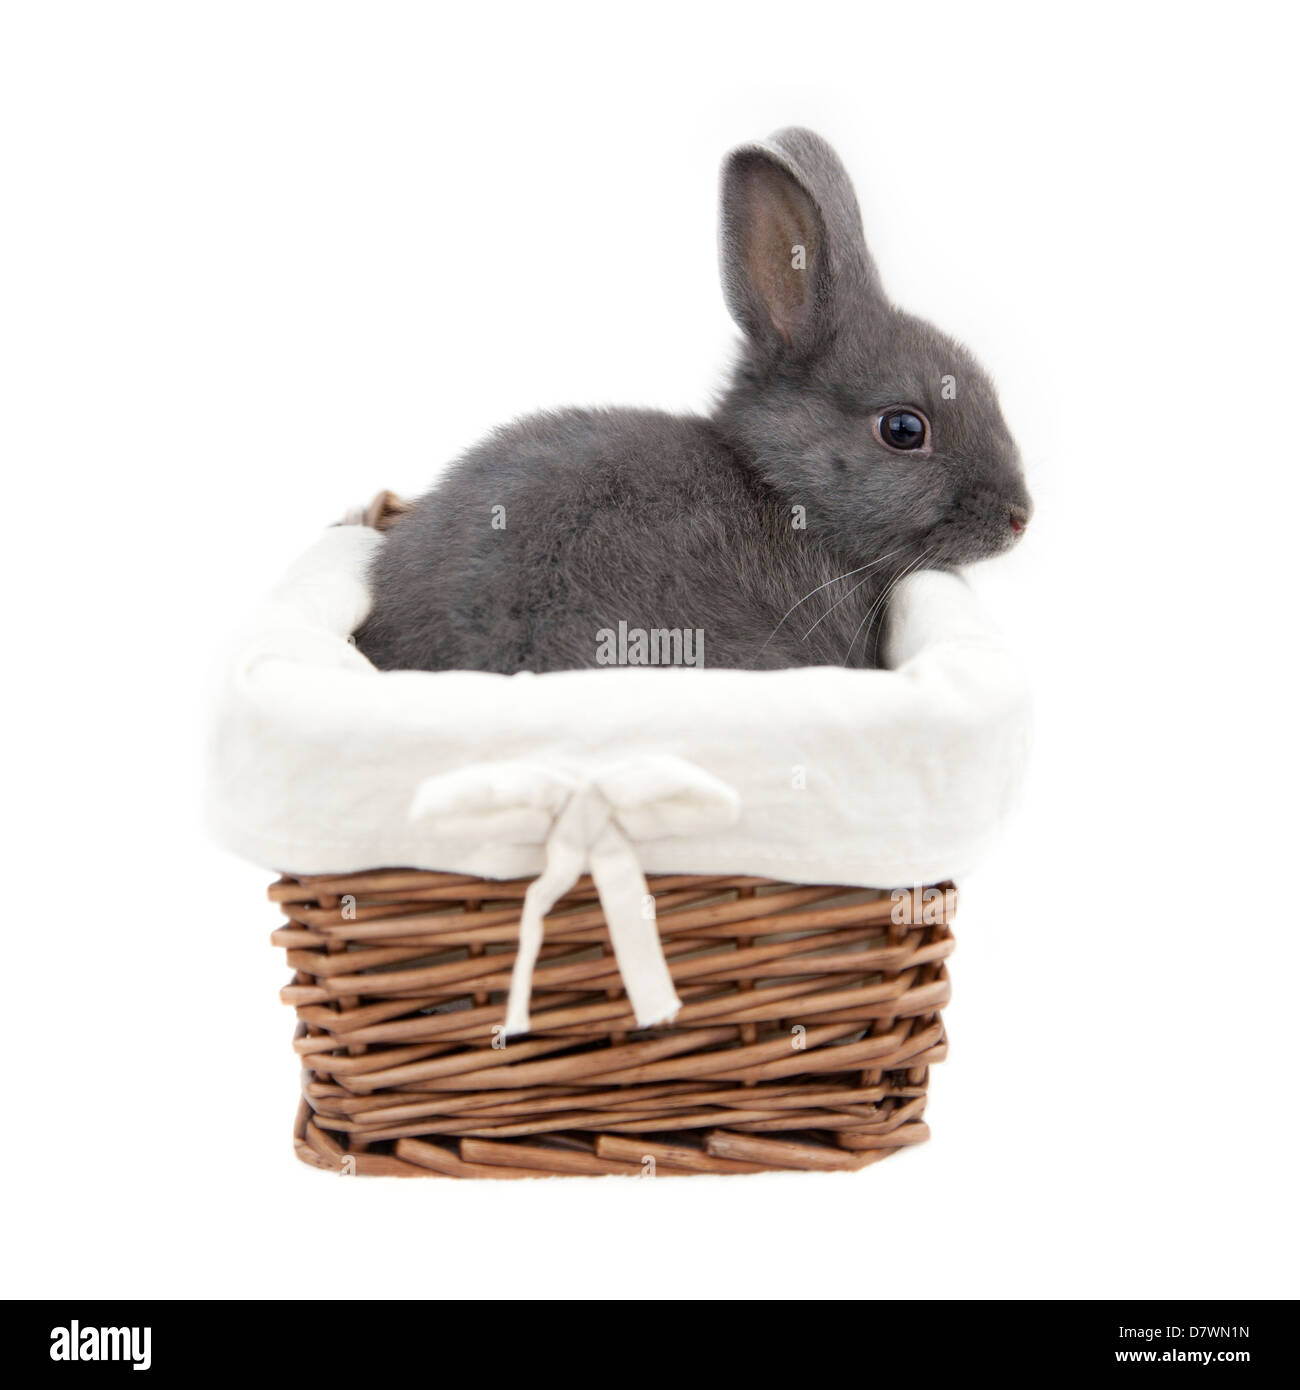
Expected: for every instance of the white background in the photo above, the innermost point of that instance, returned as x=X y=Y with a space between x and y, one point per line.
x=261 y=260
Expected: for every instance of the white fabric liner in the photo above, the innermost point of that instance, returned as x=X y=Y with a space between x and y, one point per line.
x=878 y=779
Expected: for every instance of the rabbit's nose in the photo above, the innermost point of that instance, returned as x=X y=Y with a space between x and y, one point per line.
x=1019 y=519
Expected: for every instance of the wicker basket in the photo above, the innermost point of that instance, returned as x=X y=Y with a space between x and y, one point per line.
x=810 y=1018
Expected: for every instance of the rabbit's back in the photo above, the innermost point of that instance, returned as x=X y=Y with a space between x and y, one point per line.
x=853 y=445
x=565 y=528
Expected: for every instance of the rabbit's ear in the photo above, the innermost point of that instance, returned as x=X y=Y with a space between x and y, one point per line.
x=793 y=255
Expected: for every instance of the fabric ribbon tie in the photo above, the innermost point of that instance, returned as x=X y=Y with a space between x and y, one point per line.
x=588 y=823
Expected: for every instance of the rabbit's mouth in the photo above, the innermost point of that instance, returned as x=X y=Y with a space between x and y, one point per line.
x=977 y=528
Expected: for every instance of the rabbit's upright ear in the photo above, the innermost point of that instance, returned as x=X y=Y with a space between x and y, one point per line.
x=794 y=260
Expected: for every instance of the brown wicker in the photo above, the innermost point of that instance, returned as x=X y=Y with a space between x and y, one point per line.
x=809 y=1021
x=385 y=508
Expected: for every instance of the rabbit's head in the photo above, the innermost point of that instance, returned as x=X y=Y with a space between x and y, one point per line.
x=886 y=432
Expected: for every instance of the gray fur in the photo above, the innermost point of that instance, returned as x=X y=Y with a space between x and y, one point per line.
x=682 y=522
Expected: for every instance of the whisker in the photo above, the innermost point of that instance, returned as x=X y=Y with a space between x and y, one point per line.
x=878 y=605
x=833 y=607
x=818 y=590
x=926 y=557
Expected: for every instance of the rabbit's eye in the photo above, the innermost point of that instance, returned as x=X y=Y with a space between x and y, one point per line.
x=902 y=429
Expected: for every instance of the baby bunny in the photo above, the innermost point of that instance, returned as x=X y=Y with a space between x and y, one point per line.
x=853 y=445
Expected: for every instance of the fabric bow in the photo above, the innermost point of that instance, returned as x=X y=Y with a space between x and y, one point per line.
x=587 y=823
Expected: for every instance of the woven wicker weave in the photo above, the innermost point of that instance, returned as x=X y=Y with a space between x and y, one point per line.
x=809 y=1021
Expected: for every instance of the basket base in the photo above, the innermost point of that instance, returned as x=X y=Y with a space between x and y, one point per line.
x=810 y=1016
x=588 y=1154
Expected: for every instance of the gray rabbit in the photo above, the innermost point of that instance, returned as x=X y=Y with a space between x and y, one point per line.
x=853 y=445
